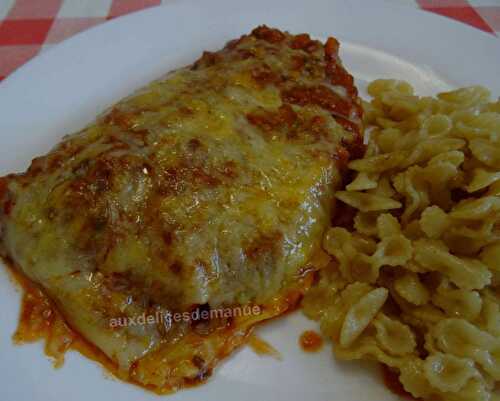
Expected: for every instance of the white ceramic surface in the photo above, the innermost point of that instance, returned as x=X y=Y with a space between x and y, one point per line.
x=64 y=88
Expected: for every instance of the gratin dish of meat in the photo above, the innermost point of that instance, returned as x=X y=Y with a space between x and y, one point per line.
x=208 y=189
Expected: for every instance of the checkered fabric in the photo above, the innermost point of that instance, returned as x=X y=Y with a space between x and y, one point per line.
x=30 y=26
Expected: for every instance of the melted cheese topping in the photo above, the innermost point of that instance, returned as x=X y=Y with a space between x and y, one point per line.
x=211 y=188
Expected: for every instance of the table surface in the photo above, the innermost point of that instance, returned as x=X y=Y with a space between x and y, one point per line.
x=28 y=27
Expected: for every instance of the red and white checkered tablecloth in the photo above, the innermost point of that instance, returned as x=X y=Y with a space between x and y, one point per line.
x=30 y=26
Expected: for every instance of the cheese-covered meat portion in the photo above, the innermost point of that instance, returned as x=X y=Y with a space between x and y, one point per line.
x=209 y=188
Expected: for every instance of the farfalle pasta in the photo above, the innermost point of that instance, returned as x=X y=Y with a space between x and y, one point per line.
x=414 y=278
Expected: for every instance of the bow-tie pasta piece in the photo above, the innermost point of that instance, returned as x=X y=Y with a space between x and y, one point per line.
x=361 y=314
x=463 y=339
x=367 y=202
x=458 y=303
x=431 y=147
x=434 y=222
x=472 y=125
x=378 y=163
x=393 y=250
x=333 y=319
x=387 y=225
x=393 y=336
x=363 y=182
x=486 y=151
x=449 y=373
x=466 y=273
x=410 y=287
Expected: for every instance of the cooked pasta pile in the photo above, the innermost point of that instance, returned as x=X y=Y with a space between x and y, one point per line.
x=414 y=279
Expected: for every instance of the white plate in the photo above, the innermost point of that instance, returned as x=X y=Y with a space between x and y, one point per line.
x=64 y=88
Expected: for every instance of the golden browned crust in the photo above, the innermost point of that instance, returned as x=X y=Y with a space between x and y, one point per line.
x=210 y=188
